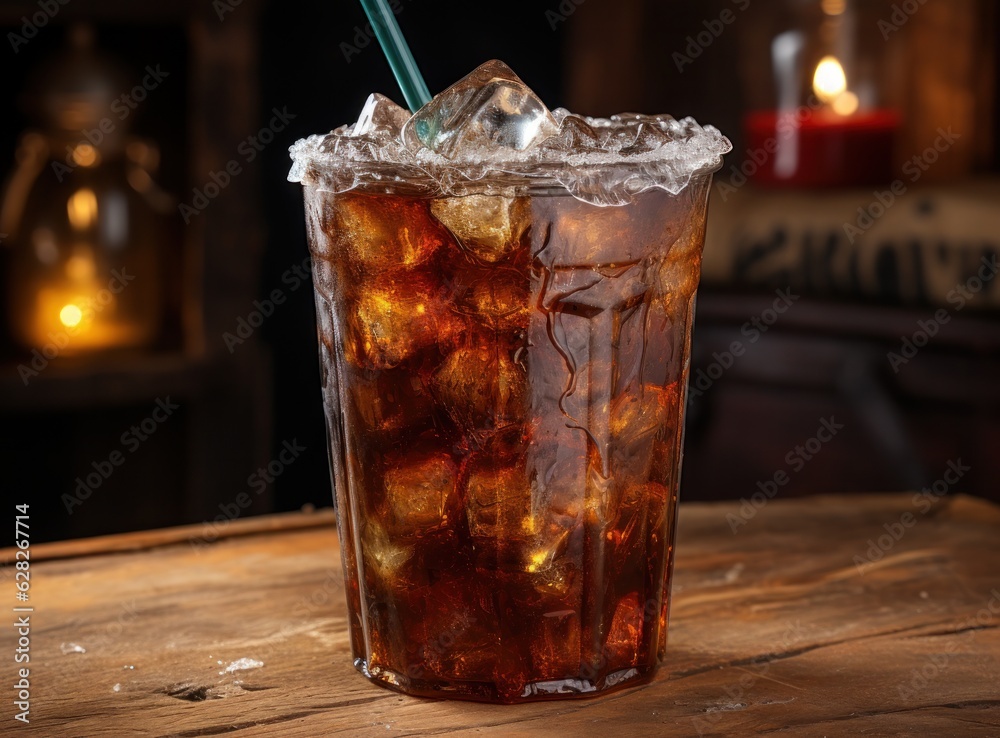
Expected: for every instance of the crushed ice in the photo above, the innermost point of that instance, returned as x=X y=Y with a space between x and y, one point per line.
x=491 y=123
x=727 y=707
x=68 y=648
x=243 y=664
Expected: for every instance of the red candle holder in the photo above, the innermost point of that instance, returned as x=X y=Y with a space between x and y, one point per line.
x=825 y=118
x=820 y=148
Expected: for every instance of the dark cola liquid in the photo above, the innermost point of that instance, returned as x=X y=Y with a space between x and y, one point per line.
x=504 y=384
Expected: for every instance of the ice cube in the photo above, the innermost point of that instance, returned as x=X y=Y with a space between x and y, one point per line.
x=640 y=511
x=499 y=300
x=394 y=317
x=555 y=648
x=576 y=134
x=480 y=386
x=382 y=234
x=489 y=109
x=660 y=504
x=498 y=501
x=678 y=278
x=497 y=491
x=640 y=423
x=383 y=556
x=454 y=622
x=488 y=226
x=627 y=134
x=380 y=118
x=419 y=489
x=390 y=399
x=637 y=416
x=543 y=556
x=624 y=638
x=558 y=459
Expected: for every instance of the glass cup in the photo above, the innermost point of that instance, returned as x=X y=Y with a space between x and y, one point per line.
x=504 y=381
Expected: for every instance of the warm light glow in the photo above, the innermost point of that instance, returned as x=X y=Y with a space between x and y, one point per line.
x=70 y=316
x=86 y=155
x=82 y=209
x=537 y=559
x=834 y=7
x=80 y=267
x=829 y=81
x=845 y=104
x=79 y=318
x=830 y=86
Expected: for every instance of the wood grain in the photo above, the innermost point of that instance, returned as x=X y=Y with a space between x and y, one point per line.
x=774 y=630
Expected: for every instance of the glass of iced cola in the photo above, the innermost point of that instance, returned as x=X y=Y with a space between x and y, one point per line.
x=504 y=297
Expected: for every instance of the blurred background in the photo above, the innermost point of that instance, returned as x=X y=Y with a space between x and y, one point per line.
x=157 y=343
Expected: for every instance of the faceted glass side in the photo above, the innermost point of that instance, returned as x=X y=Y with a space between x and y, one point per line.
x=504 y=382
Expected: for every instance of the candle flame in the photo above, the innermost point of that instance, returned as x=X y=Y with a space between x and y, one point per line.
x=70 y=315
x=82 y=209
x=829 y=81
x=830 y=86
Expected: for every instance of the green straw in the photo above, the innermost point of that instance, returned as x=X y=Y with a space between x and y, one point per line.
x=390 y=38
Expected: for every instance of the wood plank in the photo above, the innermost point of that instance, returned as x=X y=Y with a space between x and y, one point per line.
x=774 y=630
x=146 y=539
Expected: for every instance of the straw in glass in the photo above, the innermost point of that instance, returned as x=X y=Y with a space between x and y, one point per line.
x=390 y=38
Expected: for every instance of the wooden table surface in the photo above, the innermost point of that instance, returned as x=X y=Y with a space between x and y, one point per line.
x=775 y=629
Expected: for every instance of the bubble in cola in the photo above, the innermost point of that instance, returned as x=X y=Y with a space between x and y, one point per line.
x=504 y=299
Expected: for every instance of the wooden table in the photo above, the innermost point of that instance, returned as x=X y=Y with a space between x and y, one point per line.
x=774 y=630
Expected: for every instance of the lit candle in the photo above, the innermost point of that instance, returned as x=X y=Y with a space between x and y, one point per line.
x=831 y=142
x=75 y=312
